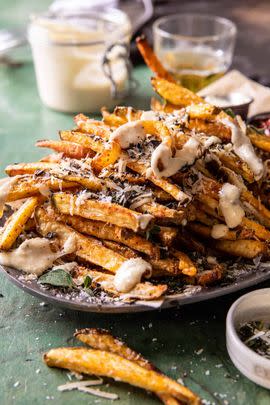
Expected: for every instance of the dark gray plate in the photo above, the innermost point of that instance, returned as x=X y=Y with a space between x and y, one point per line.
x=32 y=287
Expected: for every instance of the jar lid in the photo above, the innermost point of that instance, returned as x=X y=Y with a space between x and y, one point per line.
x=253 y=306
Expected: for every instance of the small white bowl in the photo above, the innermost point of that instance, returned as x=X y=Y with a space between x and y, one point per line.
x=250 y=307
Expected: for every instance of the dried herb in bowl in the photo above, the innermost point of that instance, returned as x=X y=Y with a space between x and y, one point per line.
x=256 y=336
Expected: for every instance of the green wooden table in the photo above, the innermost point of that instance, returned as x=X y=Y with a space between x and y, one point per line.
x=187 y=343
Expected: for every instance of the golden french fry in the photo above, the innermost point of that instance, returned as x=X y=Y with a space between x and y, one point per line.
x=151 y=59
x=107 y=157
x=174 y=93
x=28 y=168
x=142 y=291
x=69 y=149
x=242 y=247
x=112 y=119
x=261 y=141
x=93 y=127
x=16 y=223
x=102 y=363
x=202 y=111
x=87 y=248
x=28 y=186
x=185 y=264
x=163 y=213
x=115 y=233
x=211 y=276
x=102 y=340
x=205 y=231
x=101 y=211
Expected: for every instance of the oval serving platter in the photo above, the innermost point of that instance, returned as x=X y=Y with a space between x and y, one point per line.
x=33 y=288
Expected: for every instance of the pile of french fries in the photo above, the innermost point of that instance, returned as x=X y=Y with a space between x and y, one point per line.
x=106 y=197
x=111 y=357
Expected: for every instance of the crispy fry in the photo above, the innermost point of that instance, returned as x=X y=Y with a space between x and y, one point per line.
x=186 y=265
x=102 y=340
x=89 y=361
x=209 y=277
x=112 y=119
x=162 y=213
x=101 y=211
x=142 y=291
x=261 y=141
x=93 y=127
x=28 y=186
x=205 y=231
x=87 y=248
x=242 y=248
x=69 y=149
x=167 y=235
x=115 y=233
x=107 y=157
x=202 y=111
x=151 y=59
x=28 y=168
x=174 y=93
x=16 y=223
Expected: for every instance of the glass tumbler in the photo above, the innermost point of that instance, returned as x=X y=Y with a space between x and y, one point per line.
x=195 y=48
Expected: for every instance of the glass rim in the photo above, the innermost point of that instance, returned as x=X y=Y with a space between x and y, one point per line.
x=232 y=27
x=94 y=15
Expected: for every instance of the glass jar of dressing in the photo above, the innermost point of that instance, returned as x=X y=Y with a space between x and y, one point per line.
x=81 y=61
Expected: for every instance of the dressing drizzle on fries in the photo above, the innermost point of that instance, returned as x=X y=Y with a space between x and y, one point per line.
x=165 y=188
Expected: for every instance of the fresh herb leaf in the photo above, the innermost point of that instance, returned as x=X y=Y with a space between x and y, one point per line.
x=230 y=112
x=152 y=232
x=57 y=278
x=87 y=282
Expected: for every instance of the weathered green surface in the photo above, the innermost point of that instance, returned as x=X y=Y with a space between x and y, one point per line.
x=28 y=328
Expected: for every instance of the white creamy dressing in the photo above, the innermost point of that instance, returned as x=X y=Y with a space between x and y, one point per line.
x=243 y=147
x=171 y=165
x=129 y=134
x=219 y=231
x=5 y=187
x=130 y=273
x=230 y=205
x=212 y=140
x=35 y=255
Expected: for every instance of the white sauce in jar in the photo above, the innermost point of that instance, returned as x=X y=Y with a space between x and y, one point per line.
x=68 y=56
x=230 y=205
x=130 y=273
x=35 y=255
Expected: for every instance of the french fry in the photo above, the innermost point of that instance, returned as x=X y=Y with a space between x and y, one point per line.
x=237 y=165
x=202 y=111
x=209 y=277
x=186 y=265
x=107 y=157
x=261 y=141
x=163 y=213
x=127 y=113
x=167 y=235
x=28 y=168
x=112 y=119
x=14 y=226
x=102 y=340
x=174 y=93
x=101 y=211
x=69 y=149
x=102 y=363
x=28 y=186
x=87 y=248
x=151 y=59
x=125 y=251
x=142 y=291
x=93 y=127
x=205 y=231
x=242 y=248
x=115 y=233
